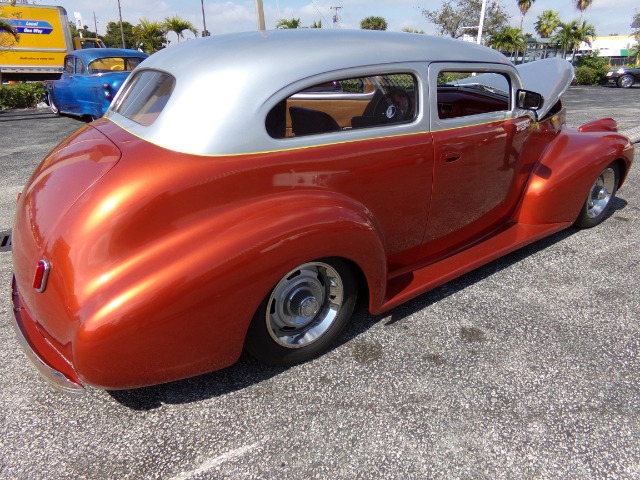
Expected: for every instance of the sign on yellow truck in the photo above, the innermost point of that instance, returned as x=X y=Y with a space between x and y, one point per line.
x=43 y=41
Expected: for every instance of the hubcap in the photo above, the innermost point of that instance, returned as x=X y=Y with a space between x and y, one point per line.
x=626 y=81
x=304 y=304
x=600 y=195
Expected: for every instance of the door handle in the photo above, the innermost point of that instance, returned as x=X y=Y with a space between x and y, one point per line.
x=450 y=157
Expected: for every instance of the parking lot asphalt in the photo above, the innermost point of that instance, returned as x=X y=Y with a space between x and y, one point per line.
x=526 y=368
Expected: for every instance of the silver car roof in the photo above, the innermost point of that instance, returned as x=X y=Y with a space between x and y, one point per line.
x=226 y=84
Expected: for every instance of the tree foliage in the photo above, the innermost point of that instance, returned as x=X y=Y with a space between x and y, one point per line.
x=570 y=35
x=373 y=23
x=113 y=38
x=635 y=24
x=149 y=36
x=457 y=14
x=548 y=22
x=524 y=6
x=413 y=30
x=178 y=26
x=582 y=5
x=508 y=40
x=8 y=35
x=289 y=23
x=591 y=69
x=6 y=27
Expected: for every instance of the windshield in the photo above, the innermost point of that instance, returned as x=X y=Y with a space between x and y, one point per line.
x=494 y=83
x=114 y=64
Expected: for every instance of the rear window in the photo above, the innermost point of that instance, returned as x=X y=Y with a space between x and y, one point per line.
x=145 y=96
x=114 y=64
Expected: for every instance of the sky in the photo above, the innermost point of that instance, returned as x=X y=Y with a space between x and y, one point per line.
x=608 y=16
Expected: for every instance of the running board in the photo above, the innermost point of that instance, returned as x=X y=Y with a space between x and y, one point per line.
x=410 y=285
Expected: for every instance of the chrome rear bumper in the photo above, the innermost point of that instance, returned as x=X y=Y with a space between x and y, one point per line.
x=55 y=378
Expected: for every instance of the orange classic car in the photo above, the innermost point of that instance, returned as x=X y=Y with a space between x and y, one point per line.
x=243 y=190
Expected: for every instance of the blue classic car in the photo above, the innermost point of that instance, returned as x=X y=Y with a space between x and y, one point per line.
x=90 y=80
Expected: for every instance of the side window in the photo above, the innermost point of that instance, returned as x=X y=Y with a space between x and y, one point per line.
x=462 y=94
x=80 y=69
x=346 y=104
x=68 y=65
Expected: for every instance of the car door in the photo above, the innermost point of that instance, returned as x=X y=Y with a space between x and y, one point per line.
x=63 y=88
x=478 y=139
x=88 y=91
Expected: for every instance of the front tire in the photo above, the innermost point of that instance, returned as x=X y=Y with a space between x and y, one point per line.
x=625 y=81
x=600 y=197
x=304 y=313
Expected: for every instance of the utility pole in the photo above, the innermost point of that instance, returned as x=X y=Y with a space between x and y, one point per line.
x=336 y=17
x=121 y=29
x=95 y=24
x=482 y=11
x=260 y=15
x=205 y=33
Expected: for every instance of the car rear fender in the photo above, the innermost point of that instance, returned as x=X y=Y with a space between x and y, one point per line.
x=560 y=181
x=183 y=307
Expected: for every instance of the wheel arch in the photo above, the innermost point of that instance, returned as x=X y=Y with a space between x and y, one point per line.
x=560 y=181
x=196 y=308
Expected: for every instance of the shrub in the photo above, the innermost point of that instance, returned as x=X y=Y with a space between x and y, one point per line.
x=591 y=69
x=21 y=95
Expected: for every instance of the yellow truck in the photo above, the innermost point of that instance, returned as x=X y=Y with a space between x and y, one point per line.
x=43 y=41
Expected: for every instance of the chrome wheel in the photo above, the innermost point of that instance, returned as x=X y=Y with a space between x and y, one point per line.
x=304 y=313
x=600 y=197
x=625 y=81
x=601 y=193
x=304 y=305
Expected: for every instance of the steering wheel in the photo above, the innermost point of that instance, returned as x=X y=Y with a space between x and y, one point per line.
x=394 y=106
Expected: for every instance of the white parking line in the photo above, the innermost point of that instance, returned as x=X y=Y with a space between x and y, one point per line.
x=219 y=460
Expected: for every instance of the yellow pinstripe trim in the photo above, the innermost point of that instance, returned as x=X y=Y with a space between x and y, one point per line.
x=307 y=147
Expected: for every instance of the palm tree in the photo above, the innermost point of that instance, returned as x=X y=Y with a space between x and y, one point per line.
x=373 y=23
x=582 y=5
x=284 y=23
x=178 y=25
x=524 y=6
x=635 y=52
x=11 y=36
x=507 y=39
x=571 y=35
x=547 y=23
x=149 y=35
x=6 y=27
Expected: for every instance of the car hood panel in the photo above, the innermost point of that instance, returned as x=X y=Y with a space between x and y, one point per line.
x=549 y=77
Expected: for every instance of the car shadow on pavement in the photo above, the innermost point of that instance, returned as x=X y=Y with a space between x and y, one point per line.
x=14 y=115
x=247 y=371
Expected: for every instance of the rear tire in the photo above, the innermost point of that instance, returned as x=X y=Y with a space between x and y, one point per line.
x=304 y=313
x=600 y=197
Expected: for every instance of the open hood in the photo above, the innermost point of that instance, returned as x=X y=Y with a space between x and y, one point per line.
x=549 y=77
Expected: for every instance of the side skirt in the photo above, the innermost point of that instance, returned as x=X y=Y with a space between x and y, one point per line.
x=410 y=285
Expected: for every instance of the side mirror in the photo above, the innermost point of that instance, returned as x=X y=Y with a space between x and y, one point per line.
x=529 y=100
